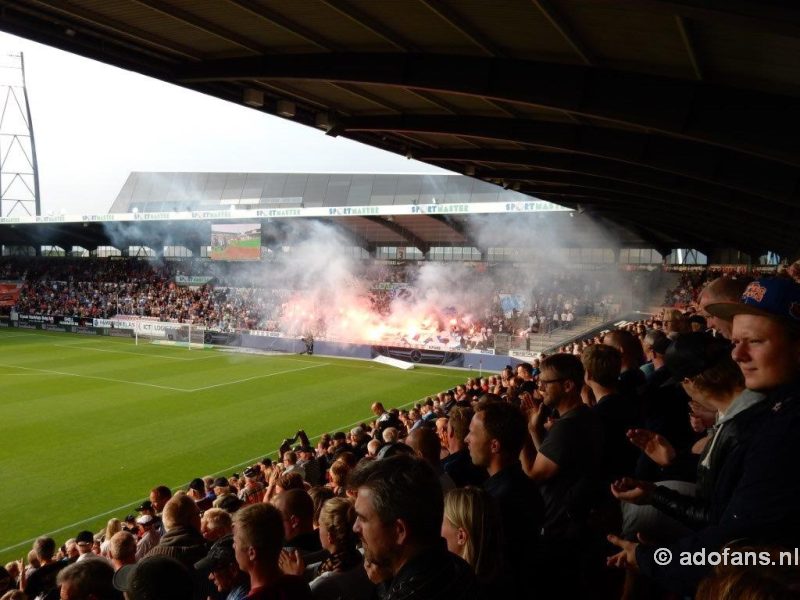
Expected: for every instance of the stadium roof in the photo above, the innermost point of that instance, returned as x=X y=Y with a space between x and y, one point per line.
x=153 y=192
x=371 y=210
x=676 y=119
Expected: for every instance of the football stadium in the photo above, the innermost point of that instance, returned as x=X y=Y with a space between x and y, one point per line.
x=562 y=360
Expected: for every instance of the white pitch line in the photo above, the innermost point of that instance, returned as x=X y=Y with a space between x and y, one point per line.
x=216 y=385
x=277 y=356
x=6 y=336
x=109 y=379
x=119 y=508
x=143 y=354
x=362 y=367
x=27 y=374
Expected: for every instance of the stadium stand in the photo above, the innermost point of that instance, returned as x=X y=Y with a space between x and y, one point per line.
x=556 y=303
x=578 y=466
x=654 y=448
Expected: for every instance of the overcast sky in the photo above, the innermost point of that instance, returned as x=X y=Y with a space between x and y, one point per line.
x=94 y=124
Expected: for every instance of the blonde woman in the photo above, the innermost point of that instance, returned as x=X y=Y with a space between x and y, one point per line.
x=113 y=526
x=342 y=574
x=471 y=527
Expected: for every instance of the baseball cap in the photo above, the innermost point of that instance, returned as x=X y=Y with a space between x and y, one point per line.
x=700 y=320
x=145 y=520
x=155 y=577
x=85 y=537
x=777 y=297
x=221 y=482
x=252 y=472
x=146 y=505
x=690 y=354
x=661 y=344
x=221 y=554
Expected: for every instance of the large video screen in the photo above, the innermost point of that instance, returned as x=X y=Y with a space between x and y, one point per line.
x=235 y=241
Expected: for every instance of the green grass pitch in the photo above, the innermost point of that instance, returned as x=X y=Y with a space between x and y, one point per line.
x=89 y=424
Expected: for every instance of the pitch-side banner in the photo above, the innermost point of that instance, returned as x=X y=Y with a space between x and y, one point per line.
x=524 y=354
x=455 y=208
x=148 y=326
x=193 y=280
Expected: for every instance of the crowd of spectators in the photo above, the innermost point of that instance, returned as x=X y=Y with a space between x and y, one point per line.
x=685 y=292
x=573 y=476
x=220 y=299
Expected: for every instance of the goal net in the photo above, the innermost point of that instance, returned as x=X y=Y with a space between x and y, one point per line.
x=149 y=331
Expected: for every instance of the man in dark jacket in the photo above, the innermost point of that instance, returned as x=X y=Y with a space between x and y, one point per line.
x=497 y=434
x=399 y=511
x=297 y=509
x=665 y=410
x=710 y=376
x=183 y=540
x=43 y=579
x=458 y=463
x=617 y=412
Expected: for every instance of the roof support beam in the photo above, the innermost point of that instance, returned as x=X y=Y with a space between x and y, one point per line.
x=277 y=19
x=729 y=204
x=686 y=207
x=193 y=20
x=138 y=35
x=95 y=40
x=683 y=237
x=356 y=238
x=403 y=232
x=498 y=160
x=360 y=17
x=686 y=36
x=452 y=223
x=566 y=31
x=660 y=242
x=695 y=111
x=465 y=28
x=459 y=227
x=679 y=157
x=368 y=96
x=780 y=18
x=691 y=228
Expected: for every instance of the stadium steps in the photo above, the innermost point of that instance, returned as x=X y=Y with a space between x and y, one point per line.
x=546 y=342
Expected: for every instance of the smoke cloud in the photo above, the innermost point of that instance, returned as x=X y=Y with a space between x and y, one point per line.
x=320 y=287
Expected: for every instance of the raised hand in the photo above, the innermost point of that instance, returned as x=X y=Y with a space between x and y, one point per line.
x=626 y=557
x=655 y=446
x=701 y=417
x=632 y=490
x=291 y=563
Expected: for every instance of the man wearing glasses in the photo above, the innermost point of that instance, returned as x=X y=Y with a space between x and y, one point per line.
x=565 y=463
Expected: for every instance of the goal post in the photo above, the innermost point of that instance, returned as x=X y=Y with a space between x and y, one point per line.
x=151 y=331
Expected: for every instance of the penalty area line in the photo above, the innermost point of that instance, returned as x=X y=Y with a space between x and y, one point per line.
x=95 y=377
x=140 y=354
x=162 y=387
x=216 y=385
